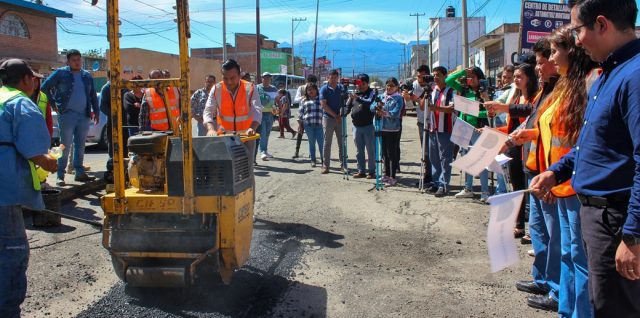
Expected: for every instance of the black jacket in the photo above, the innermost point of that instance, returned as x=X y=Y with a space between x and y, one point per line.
x=360 y=108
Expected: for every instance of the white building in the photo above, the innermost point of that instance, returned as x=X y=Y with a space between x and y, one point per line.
x=446 y=39
x=419 y=56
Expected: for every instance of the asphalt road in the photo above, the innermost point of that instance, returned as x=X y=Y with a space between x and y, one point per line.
x=322 y=247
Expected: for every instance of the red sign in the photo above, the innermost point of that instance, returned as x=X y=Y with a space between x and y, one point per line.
x=534 y=36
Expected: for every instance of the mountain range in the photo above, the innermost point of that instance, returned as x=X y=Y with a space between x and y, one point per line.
x=379 y=58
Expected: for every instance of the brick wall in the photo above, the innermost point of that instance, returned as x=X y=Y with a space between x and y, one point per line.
x=41 y=48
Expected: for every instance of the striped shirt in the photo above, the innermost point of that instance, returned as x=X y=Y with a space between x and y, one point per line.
x=440 y=121
x=311 y=112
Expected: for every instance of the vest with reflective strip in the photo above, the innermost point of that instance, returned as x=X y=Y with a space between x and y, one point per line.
x=157 y=109
x=7 y=94
x=234 y=114
x=42 y=103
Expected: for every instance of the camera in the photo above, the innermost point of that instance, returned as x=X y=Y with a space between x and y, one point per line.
x=427 y=78
x=486 y=87
x=407 y=87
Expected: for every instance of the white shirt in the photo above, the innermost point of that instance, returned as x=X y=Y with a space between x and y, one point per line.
x=211 y=108
x=417 y=91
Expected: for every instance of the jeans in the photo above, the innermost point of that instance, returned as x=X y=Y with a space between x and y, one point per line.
x=574 y=291
x=330 y=127
x=74 y=128
x=265 y=131
x=502 y=184
x=202 y=129
x=544 y=229
x=315 y=136
x=441 y=155
x=364 y=138
x=14 y=259
x=611 y=294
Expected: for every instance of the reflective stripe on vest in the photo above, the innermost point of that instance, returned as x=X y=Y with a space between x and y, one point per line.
x=158 y=111
x=559 y=148
x=234 y=114
x=42 y=103
x=7 y=94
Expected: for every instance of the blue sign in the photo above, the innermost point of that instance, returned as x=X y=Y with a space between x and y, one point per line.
x=541 y=18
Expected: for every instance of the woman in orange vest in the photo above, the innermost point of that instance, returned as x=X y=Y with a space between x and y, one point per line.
x=559 y=124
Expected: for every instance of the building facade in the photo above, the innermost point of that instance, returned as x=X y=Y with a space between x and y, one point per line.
x=28 y=31
x=419 y=56
x=446 y=39
x=496 y=48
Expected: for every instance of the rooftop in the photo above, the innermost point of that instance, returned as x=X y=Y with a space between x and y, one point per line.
x=38 y=7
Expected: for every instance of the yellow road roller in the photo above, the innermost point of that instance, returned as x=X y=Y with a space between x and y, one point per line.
x=187 y=208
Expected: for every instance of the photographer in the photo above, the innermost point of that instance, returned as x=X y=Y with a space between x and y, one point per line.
x=413 y=94
x=473 y=90
x=359 y=104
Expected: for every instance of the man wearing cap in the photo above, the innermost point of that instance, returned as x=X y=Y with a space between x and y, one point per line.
x=359 y=104
x=71 y=88
x=267 y=93
x=24 y=143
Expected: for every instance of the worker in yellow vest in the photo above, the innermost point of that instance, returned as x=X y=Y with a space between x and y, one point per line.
x=24 y=142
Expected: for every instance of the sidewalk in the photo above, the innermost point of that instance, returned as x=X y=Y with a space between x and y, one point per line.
x=97 y=162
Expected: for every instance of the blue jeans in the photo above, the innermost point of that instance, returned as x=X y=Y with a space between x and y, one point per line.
x=315 y=136
x=14 y=259
x=74 y=127
x=502 y=184
x=574 y=291
x=544 y=229
x=265 y=131
x=364 y=138
x=440 y=155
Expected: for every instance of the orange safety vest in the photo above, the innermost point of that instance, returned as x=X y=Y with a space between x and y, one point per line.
x=234 y=114
x=157 y=110
x=505 y=129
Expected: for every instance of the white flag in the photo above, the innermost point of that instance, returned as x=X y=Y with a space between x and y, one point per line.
x=465 y=105
x=483 y=152
x=502 y=247
x=461 y=133
x=496 y=165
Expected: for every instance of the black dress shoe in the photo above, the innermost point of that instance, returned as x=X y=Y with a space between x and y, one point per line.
x=542 y=302
x=531 y=287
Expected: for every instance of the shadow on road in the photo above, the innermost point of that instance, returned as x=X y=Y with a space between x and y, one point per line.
x=262 y=171
x=262 y=288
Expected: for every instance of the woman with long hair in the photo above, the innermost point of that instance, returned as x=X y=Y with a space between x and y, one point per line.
x=559 y=122
x=389 y=109
x=310 y=115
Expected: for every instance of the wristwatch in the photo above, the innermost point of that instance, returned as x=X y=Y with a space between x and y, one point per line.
x=630 y=240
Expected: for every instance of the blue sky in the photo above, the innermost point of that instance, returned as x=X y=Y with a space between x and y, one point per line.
x=149 y=23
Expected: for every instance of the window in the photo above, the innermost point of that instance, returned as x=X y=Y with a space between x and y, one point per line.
x=13 y=25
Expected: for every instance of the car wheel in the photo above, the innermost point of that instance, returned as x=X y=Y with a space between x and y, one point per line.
x=103 y=138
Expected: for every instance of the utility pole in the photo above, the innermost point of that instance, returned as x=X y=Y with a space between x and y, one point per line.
x=258 y=40
x=224 y=30
x=465 y=36
x=333 y=58
x=417 y=15
x=293 y=55
x=404 y=61
x=315 y=37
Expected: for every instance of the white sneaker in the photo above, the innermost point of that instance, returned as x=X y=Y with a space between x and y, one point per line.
x=464 y=194
x=268 y=155
x=392 y=182
x=264 y=157
x=385 y=179
x=484 y=196
x=531 y=253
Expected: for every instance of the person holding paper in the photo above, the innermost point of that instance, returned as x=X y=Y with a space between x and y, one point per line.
x=603 y=165
x=440 y=126
x=526 y=84
x=559 y=123
x=544 y=228
x=471 y=90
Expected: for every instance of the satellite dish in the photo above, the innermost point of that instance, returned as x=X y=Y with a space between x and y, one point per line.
x=96 y=66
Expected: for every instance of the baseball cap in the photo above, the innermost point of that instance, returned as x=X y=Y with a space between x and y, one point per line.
x=265 y=74
x=16 y=68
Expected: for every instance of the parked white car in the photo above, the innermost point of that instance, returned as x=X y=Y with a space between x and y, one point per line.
x=97 y=133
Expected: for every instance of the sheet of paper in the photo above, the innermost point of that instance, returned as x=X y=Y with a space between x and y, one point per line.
x=498 y=162
x=501 y=245
x=484 y=151
x=462 y=133
x=465 y=105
